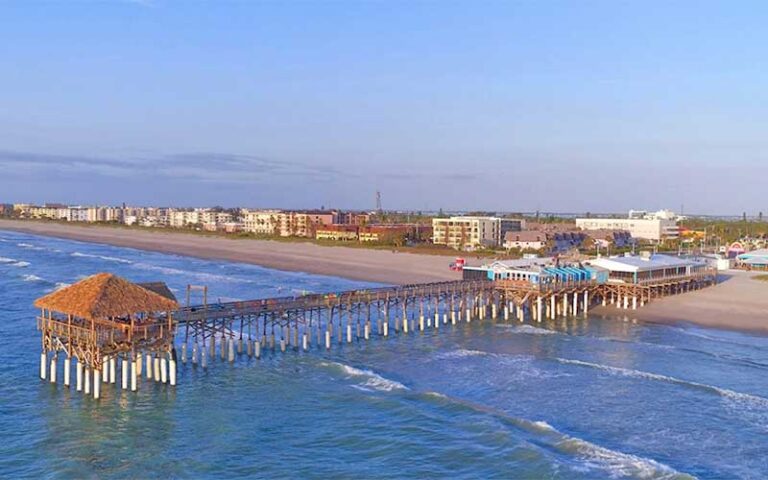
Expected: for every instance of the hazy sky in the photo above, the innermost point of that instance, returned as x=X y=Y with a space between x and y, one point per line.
x=566 y=106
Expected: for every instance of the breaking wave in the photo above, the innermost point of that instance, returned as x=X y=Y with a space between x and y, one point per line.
x=370 y=380
x=21 y=264
x=31 y=278
x=210 y=277
x=101 y=257
x=752 y=408
x=7 y=260
x=589 y=456
x=29 y=246
x=462 y=353
x=616 y=464
x=528 y=329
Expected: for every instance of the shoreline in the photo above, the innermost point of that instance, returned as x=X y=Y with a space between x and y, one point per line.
x=737 y=303
x=368 y=265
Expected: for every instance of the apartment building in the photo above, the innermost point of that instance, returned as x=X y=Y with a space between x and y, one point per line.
x=652 y=229
x=471 y=232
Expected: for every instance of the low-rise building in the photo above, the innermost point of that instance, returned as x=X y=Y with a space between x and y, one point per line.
x=345 y=233
x=526 y=240
x=472 y=232
x=647 y=267
x=653 y=229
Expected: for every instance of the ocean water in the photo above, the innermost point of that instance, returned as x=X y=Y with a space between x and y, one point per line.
x=573 y=399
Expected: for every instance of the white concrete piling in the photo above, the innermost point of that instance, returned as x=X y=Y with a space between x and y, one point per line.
x=79 y=376
x=53 y=368
x=282 y=345
x=634 y=302
x=539 y=308
x=305 y=341
x=172 y=371
x=327 y=339
x=134 y=374
x=586 y=302
x=112 y=370
x=257 y=349
x=148 y=368
x=67 y=366
x=223 y=347
x=386 y=329
x=349 y=333
x=249 y=348
x=240 y=346
x=96 y=384
x=43 y=365
x=87 y=376
x=366 y=331
x=156 y=367
x=124 y=374
x=194 y=353
x=469 y=315
x=405 y=324
x=163 y=370
x=204 y=358
x=231 y=352
x=421 y=323
x=493 y=311
x=139 y=359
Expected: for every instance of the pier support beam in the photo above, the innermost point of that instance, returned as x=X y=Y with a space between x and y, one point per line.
x=96 y=384
x=586 y=302
x=539 y=309
x=172 y=371
x=53 y=368
x=87 y=387
x=79 y=376
x=134 y=375
x=43 y=365
x=124 y=373
x=112 y=370
x=67 y=366
x=163 y=370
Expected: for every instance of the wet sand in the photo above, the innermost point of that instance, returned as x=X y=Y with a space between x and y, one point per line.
x=381 y=266
x=737 y=302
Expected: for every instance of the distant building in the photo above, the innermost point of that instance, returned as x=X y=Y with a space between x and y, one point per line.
x=526 y=240
x=470 y=233
x=647 y=267
x=611 y=238
x=755 y=260
x=346 y=233
x=653 y=229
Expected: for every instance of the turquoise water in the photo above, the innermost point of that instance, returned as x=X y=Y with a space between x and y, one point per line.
x=579 y=398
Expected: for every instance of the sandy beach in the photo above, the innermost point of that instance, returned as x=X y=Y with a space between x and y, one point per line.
x=738 y=302
x=381 y=266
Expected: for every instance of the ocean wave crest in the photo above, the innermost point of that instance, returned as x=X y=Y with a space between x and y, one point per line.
x=589 y=456
x=7 y=260
x=528 y=329
x=31 y=278
x=101 y=257
x=372 y=380
x=21 y=264
x=752 y=408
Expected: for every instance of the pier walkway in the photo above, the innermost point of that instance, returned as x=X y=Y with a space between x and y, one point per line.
x=105 y=322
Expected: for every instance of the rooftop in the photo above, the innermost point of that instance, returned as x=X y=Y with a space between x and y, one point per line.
x=105 y=295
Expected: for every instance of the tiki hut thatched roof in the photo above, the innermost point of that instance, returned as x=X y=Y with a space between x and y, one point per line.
x=104 y=295
x=159 y=288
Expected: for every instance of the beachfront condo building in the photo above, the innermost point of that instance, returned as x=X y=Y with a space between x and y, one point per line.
x=653 y=229
x=470 y=232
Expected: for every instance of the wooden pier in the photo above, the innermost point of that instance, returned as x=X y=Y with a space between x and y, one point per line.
x=104 y=318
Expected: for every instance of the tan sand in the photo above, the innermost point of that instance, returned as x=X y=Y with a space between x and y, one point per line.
x=738 y=302
x=382 y=266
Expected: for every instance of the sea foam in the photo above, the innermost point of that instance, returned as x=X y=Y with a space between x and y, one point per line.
x=370 y=380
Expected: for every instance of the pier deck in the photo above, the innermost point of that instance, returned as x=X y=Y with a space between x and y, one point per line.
x=143 y=341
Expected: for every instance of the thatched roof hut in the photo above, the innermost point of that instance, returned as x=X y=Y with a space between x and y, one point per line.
x=104 y=296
